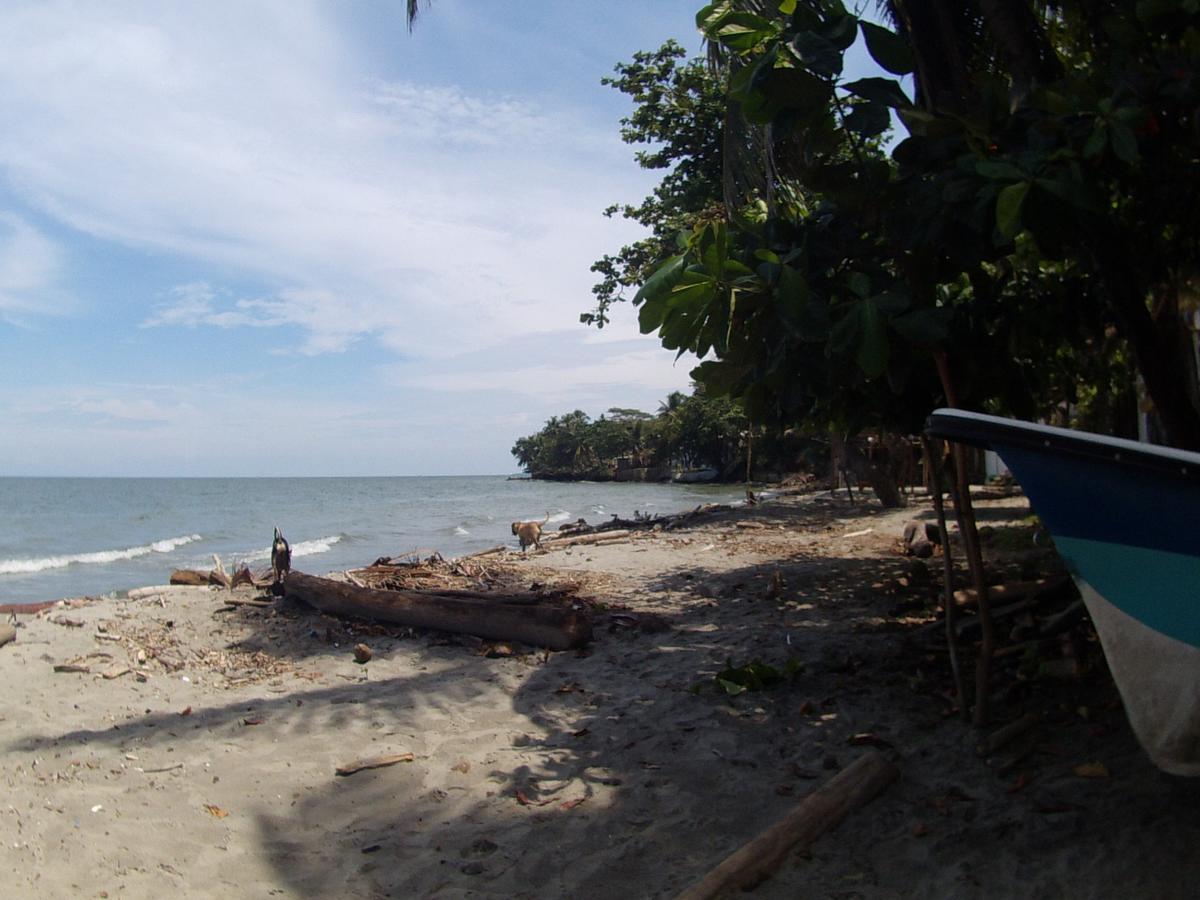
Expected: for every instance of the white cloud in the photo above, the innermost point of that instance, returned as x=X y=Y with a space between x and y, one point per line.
x=419 y=214
x=327 y=205
x=30 y=265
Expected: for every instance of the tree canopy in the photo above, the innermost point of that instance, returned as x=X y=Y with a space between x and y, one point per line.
x=688 y=432
x=1032 y=237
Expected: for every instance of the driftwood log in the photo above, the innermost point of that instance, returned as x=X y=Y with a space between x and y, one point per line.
x=482 y=615
x=817 y=813
x=7 y=633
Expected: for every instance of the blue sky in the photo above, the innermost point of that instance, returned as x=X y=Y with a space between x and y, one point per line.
x=290 y=238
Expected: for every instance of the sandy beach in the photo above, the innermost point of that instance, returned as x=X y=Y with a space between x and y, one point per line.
x=191 y=747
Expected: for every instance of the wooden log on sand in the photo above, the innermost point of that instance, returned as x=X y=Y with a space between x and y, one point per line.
x=189 y=577
x=594 y=538
x=554 y=627
x=1014 y=591
x=7 y=633
x=820 y=811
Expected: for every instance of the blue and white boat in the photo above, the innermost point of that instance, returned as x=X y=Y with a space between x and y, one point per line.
x=1125 y=518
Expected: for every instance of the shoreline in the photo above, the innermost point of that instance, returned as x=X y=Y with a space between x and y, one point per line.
x=622 y=770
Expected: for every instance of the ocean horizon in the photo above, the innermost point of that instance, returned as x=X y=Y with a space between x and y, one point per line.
x=92 y=536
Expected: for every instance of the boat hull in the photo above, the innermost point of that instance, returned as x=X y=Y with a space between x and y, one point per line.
x=1123 y=516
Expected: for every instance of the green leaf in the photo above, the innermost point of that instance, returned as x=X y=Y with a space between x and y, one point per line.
x=787 y=7
x=869 y=119
x=691 y=295
x=887 y=48
x=1008 y=208
x=1096 y=142
x=930 y=325
x=817 y=54
x=872 y=356
x=999 y=170
x=842 y=32
x=650 y=316
x=732 y=688
x=859 y=283
x=659 y=284
x=708 y=16
x=882 y=90
x=1124 y=143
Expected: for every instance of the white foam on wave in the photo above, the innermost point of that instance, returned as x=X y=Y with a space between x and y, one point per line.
x=303 y=548
x=561 y=516
x=460 y=531
x=96 y=558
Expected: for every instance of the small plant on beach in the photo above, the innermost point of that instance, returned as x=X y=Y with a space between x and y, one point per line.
x=755 y=676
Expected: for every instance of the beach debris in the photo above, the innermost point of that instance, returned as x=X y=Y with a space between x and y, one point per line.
x=72 y=667
x=218 y=575
x=868 y=739
x=775 y=589
x=1092 y=770
x=253 y=602
x=145 y=593
x=243 y=575
x=373 y=762
x=66 y=622
x=576 y=540
x=489 y=615
x=755 y=676
x=189 y=577
x=216 y=811
x=854 y=534
x=1024 y=779
x=8 y=634
x=524 y=800
x=115 y=672
x=820 y=811
x=1005 y=735
x=362 y=653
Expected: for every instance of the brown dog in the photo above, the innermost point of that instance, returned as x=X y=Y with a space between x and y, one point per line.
x=529 y=532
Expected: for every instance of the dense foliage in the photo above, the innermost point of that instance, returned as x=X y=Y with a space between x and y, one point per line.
x=687 y=432
x=680 y=108
x=1031 y=239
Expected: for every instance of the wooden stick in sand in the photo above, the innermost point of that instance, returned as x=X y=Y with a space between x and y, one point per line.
x=820 y=811
x=554 y=627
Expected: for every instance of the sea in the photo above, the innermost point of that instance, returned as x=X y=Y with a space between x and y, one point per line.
x=71 y=537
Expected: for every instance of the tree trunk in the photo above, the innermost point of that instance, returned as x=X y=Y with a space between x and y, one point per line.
x=1157 y=344
x=485 y=616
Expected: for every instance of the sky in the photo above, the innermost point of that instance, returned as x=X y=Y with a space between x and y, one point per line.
x=291 y=238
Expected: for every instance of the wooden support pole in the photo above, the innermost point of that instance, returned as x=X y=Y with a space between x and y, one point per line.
x=934 y=467
x=820 y=811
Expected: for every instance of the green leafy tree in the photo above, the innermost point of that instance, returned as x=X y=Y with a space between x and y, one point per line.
x=1012 y=227
x=679 y=106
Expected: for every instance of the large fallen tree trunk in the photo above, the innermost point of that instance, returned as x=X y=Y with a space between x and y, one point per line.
x=555 y=627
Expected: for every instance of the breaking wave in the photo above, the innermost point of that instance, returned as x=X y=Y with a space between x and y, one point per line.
x=303 y=548
x=99 y=557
